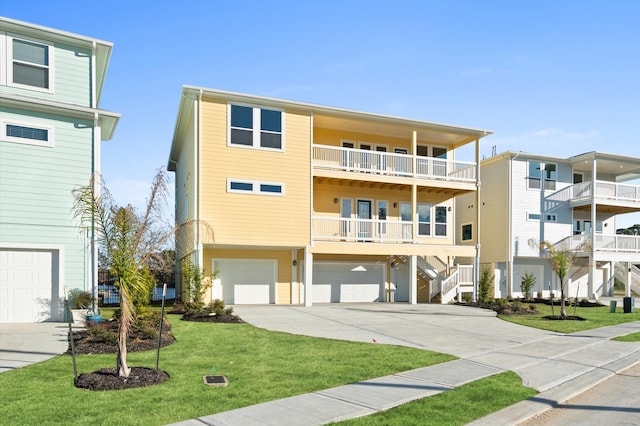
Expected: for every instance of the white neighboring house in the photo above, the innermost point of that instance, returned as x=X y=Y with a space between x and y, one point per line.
x=528 y=197
x=50 y=134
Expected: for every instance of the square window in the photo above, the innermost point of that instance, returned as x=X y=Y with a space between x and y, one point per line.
x=255 y=127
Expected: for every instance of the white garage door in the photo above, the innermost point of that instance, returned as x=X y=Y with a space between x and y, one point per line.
x=246 y=281
x=335 y=282
x=26 y=285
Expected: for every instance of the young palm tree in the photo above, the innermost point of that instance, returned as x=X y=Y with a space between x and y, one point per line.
x=128 y=241
x=561 y=259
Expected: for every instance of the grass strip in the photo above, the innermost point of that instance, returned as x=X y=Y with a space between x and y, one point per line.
x=260 y=365
x=458 y=406
x=633 y=337
x=595 y=317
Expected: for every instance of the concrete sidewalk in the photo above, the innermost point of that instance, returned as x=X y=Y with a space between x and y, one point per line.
x=559 y=366
x=28 y=343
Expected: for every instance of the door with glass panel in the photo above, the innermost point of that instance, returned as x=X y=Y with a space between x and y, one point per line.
x=345 y=217
x=347 y=154
x=382 y=218
x=365 y=224
x=406 y=221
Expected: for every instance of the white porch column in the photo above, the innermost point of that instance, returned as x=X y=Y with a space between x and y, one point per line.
x=592 y=264
x=627 y=286
x=413 y=279
x=308 y=274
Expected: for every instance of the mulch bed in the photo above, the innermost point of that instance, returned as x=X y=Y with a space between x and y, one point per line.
x=108 y=379
x=86 y=343
x=212 y=318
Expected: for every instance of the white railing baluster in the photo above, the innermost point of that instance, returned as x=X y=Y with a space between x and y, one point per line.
x=391 y=164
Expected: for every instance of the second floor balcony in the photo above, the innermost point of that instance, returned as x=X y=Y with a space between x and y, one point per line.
x=612 y=197
x=605 y=247
x=392 y=164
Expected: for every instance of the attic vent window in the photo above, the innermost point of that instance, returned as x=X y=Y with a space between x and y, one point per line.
x=26 y=134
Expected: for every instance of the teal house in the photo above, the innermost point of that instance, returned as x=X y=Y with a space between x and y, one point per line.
x=51 y=129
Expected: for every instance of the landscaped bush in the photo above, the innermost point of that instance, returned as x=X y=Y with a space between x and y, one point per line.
x=485 y=285
x=527 y=284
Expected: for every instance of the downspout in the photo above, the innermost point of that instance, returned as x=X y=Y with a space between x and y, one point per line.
x=196 y=181
x=476 y=266
x=509 y=283
x=94 y=168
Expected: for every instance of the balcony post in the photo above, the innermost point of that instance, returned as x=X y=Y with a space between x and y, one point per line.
x=592 y=263
x=308 y=277
x=413 y=279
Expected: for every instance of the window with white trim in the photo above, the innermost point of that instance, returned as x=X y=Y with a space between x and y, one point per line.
x=255 y=127
x=30 y=63
x=26 y=133
x=538 y=170
x=441 y=221
x=255 y=187
x=547 y=217
x=467 y=232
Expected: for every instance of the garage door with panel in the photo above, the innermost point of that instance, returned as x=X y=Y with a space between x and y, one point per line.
x=26 y=285
x=335 y=282
x=247 y=281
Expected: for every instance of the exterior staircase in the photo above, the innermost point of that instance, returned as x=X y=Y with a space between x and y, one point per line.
x=621 y=274
x=443 y=286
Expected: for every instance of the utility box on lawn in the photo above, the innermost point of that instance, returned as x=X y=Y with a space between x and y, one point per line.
x=628 y=304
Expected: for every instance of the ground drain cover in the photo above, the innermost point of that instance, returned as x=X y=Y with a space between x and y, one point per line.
x=219 y=381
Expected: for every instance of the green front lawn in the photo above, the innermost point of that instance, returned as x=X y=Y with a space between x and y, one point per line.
x=259 y=364
x=458 y=406
x=595 y=318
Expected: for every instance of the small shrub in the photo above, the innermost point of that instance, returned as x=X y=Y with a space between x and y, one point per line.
x=485 y=285
x=217 y=307
x=527 y=284
x=539 y=295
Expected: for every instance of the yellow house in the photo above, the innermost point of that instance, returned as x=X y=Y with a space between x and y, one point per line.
x=295 y=203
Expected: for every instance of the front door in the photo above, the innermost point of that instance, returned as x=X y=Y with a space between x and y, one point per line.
x=364 y=219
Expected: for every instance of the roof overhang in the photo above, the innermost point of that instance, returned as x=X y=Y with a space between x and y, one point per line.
x=107 y=120
x=336 y=118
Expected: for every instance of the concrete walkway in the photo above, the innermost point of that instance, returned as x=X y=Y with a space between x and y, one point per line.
x=25 y=344
x=559 y=366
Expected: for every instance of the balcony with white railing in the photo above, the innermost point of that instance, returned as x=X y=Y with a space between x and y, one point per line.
x=603 y=243
x=391 y=164
x=606 y=193
x=361 y=230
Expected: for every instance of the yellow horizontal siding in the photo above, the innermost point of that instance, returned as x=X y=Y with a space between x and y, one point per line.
x=252 y=219
x=494 y=213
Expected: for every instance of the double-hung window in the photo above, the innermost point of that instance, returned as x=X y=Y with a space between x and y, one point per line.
x=255 y=127
x=30 y=64
x=424 y=219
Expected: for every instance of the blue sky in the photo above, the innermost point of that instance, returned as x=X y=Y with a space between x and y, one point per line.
x=556 y=77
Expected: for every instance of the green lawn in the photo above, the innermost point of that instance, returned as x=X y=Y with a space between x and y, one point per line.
x=457 y=406
x=260 y=366
x=595 y=318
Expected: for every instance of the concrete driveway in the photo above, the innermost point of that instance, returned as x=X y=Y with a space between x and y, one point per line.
x=457 y=330
x=27 y=343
